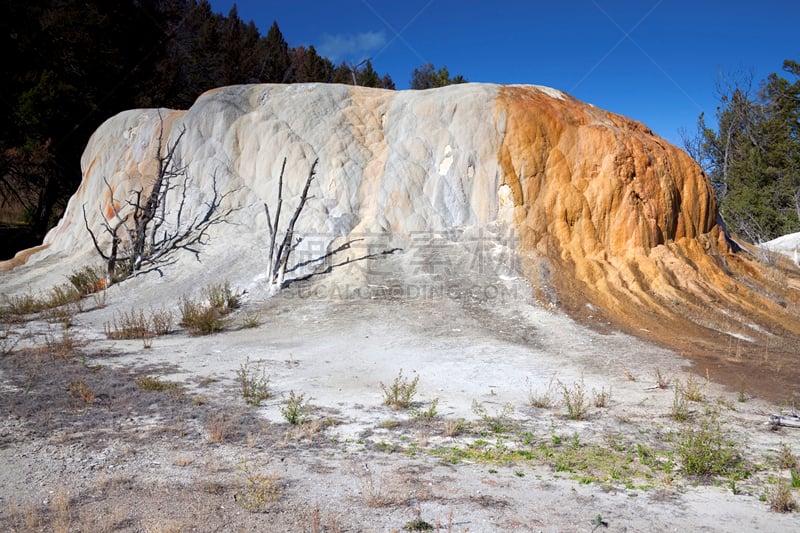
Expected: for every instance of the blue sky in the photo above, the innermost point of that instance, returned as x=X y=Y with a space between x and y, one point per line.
x=656 y=61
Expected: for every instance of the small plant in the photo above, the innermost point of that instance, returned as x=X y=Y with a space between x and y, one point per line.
x=80 y=390
x=692 y=389
x=136 y=325
x=200 y=319
x=426 y=414
x=133 y=325
x=61 y=295
x=602 y=398
x=217 y=427
x=499 y=422
x=628 y=375
x=598 y=522
x=147 y=341
x=88 y=280
x=453 y=428
x=250 y=321
x=575 y=400
x=400 y=394
x=257 y=491
x=662 y=381
x=161 y=321
x=209 y=317
x=255 y=385
x=780 y=498
x=100 y=299
x=786 y=456
x=63 y=314
x=62 y=511
x=680 y=406
x=418 y=524
x=705 y=451
x=23 y=304
x=221 y=297
x=63 y=347
x=742 y=396
x=153 y=383
x=377 y=490
x=296 y=409
x=542 y=399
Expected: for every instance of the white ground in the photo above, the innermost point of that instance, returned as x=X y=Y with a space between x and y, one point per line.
x=474 y=338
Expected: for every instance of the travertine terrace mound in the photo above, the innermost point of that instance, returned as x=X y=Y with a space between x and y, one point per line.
x=611 y=222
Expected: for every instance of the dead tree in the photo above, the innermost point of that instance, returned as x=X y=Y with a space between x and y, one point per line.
x=279 y=253
x=146 y=242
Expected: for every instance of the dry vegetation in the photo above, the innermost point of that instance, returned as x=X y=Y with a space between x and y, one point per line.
x=569 y=430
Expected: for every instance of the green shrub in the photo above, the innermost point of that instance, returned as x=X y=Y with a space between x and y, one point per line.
x=254 y=384
x=88 y=280
x=575 y=400
x=205 y=317
x=786 y=456
x=705 y=449
x=200 y=319
x=426 y=414
x=222 y=298
x=62 y=295
x=692 y=389
x=499 y=422
x=296 y=409
x=680 y=405
x=136 y=325
x=257 y=491
x=400 y=394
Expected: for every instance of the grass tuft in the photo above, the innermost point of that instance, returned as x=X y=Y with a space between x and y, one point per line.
x=136 y=325
x=153 y=383
x=80 y=390
x=542 y=399
x=780 y=498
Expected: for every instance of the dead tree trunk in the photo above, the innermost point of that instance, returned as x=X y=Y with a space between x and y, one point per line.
x=144 y=215
x=279 y=257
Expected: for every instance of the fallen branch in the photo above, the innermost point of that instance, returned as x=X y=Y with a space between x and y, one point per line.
x=790 y=419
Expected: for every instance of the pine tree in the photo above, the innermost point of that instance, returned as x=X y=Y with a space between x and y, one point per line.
x=276 y=57
x=753 y=159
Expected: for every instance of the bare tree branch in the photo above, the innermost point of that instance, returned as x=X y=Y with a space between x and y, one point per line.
x=148 y=245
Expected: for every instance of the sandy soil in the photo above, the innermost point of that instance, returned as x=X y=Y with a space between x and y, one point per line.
x=197 y=457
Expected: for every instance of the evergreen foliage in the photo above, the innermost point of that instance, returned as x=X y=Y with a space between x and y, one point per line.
x=427 y=77
x=753 y=158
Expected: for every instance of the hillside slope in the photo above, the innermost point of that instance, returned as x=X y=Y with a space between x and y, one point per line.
x=603 y=218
